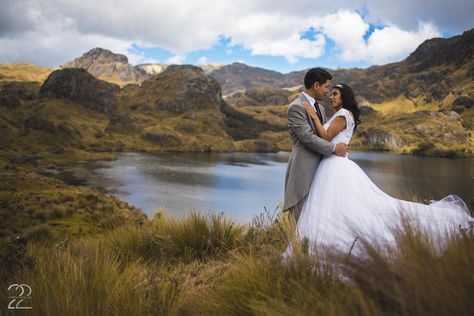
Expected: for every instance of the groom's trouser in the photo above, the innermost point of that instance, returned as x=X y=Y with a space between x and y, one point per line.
x=295 y=211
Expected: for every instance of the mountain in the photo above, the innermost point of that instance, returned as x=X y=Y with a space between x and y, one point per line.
x=74 y=116
x=23 y=73
x=239 y=76
x=425 y=103
x=105 y=65
x=435 y=74
x=410 y=97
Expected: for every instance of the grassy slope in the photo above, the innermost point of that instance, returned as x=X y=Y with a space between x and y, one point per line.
x=44 y=208
x=23 y=72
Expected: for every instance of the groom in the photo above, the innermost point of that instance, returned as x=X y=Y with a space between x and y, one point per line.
x=308 y=148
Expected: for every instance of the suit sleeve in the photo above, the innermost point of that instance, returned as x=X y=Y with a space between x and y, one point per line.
x=298 y=123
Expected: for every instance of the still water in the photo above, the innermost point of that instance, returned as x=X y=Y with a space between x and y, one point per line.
x=244 y=184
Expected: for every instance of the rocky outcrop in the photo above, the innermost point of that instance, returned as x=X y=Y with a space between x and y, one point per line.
x=162 y=139
x=44 y=124
x=462 y=103
x=120 y=123
x=12 y=92
x=80 y=86
x=378 y=139
x=106 y=65
x=443 y=127
x=180 y=89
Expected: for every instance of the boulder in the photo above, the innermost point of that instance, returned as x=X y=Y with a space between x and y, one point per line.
x=180 y=89
x=79 y=86
x=162 y=139
x=379 y=139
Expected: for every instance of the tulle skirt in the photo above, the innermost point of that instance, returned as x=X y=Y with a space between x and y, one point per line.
x=344 y=205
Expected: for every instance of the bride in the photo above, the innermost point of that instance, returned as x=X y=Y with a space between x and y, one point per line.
x=343 y=204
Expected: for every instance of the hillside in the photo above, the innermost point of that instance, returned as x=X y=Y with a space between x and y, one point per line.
x=74 y=116
x=23 y=73
x=181 y=108
x=427 y=75
x=434 y=86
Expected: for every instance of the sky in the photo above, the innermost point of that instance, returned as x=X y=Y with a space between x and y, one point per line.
x=280 y=35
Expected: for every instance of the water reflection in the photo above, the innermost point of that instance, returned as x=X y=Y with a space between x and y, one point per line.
x=243 y=184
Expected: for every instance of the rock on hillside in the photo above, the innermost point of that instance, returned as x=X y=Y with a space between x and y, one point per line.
x=179 y=89
x=12 y=92
x=105 y=65
x=80 y=86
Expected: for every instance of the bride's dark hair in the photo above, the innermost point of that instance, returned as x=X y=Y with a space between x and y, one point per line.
x=348 y=101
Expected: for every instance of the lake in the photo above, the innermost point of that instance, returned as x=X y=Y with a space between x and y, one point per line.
x=244 y=184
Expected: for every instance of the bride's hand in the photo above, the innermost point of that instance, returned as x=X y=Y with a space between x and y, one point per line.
x=310 y=110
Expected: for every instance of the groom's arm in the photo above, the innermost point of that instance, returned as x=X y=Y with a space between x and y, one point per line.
x=298 y=123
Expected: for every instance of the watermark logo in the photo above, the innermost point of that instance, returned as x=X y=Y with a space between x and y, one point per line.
x=19 y=295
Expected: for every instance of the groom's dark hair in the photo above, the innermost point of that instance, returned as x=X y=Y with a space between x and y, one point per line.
x=316 y=75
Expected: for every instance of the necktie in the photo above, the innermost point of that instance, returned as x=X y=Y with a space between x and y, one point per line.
x=316 y=106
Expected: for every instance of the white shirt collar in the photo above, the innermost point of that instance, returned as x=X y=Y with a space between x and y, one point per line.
x=311 y=100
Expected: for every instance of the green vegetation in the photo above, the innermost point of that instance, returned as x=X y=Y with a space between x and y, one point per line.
x=205 y=264
x=45 y=209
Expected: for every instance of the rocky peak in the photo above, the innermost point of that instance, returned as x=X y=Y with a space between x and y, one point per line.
x=97 y=55
x=106 y=65
x=80 y=86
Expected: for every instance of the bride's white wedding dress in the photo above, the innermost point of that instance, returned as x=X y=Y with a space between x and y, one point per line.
x=344 y=204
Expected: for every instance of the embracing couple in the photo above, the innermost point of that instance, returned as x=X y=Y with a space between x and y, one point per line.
x=331 y=198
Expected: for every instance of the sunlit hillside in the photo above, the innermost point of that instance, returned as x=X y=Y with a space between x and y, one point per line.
x=23 y=72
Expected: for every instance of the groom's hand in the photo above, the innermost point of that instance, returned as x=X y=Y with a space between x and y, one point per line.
x=340 y=149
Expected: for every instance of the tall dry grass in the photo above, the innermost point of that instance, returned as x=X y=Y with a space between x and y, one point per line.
x=207 y=265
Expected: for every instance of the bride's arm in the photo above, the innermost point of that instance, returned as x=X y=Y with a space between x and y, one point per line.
x=337 y=125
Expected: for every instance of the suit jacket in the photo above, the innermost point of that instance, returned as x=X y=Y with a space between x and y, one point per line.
x=308 y=149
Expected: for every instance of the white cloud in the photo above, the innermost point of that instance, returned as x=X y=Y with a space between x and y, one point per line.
x=202 y=60
x=391 y=43
x=347 y=29
x=176 y=59
x=277 y=35
x=51 y=32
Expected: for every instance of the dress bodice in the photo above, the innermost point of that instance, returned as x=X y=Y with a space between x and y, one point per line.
x=345 y=135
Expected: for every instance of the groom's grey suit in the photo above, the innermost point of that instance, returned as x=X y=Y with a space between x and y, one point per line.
x=308 y=149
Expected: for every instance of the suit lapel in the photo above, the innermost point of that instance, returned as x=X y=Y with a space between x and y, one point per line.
x=310 y=120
